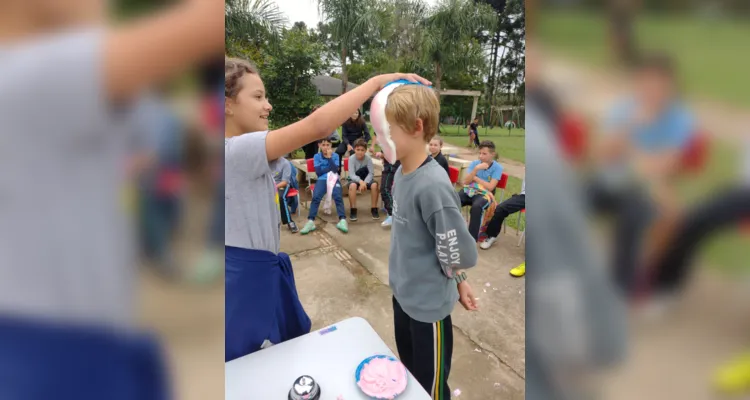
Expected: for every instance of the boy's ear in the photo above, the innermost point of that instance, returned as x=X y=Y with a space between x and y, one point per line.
x=419 y=126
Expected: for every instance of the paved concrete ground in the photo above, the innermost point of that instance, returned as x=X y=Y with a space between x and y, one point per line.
x=675 y=357
x=344 y=275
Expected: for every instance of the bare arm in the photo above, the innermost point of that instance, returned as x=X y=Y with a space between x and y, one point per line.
x=488 y=186
x=320 y=123
x=156 y=48
x=469 y=178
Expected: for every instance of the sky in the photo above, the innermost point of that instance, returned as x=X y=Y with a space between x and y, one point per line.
x=307 y=11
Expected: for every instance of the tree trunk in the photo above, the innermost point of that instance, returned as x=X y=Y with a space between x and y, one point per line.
x=344 y=77
x=438 y=75
x=493 y=71
x=621 y=30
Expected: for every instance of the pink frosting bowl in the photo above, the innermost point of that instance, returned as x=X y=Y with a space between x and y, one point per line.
x=381 y=377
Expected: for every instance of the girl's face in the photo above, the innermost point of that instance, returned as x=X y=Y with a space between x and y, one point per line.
x=251 y=108
x=354 y=116
x=434 y=146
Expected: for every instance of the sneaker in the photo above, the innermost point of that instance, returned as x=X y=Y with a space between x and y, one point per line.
x=519 y=271
x=309 y=227
x=353 y=214
x=388 y=222
x=375 y=213
x=342 y=225
x=488 y=243
x=293 y=227
x=734 y=378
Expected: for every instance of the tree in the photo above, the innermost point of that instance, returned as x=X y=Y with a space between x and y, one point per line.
x=347 y=21
x=254 y=22
x=288 y=74
x=450 y=33
x=506 y=52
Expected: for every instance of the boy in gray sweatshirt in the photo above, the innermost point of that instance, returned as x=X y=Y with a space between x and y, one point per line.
x=361 y=174
x=430 y=244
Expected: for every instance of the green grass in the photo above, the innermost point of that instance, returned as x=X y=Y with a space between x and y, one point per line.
x=710 y=53
x=511 y=146
x=514 y=187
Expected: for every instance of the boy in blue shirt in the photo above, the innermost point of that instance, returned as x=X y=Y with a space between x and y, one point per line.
x=482 y=175
x=646 y=136
x=326 y=161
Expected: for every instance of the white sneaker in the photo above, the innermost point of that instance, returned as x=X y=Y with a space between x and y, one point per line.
x=388 y=222
x=487 y=243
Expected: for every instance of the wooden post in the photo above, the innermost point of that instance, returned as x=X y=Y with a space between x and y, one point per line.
x=474 y=108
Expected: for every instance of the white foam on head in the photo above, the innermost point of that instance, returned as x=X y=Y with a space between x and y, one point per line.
x=380 y=123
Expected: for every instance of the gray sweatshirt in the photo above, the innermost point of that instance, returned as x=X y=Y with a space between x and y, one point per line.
x=355 y=164
x=429 y=242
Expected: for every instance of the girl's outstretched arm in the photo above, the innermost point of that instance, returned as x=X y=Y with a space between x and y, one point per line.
x=155 y=48
x=330 y=116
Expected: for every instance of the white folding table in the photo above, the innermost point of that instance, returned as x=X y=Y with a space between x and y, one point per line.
x=330 y=355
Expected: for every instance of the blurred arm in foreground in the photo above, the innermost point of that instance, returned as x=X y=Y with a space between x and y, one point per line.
x=68 y=82
x=575 y=321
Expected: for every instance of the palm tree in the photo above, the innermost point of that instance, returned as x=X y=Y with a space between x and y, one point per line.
x=449 y=34
x=253 y=20
x=347 y=20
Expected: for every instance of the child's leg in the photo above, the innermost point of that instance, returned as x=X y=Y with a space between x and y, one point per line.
x=318 y=193
x=338 y=198
x=374 y=194
x=431 y=352
x=283 y=206
x=353 y=195
x=478 y=205
x=402 y=328
x=385 y=191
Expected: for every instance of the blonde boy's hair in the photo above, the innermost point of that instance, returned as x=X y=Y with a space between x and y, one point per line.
x=439 y=139
x=408 y=102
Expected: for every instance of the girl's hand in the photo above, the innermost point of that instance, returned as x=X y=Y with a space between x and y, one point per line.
x=378 y=155
x=349 y=147
x=382 y=80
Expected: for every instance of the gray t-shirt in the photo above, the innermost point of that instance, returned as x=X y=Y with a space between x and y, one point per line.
x=355 y=164
x=66 y=244
x=282 y=171
x=251 y=215
x=430 y=240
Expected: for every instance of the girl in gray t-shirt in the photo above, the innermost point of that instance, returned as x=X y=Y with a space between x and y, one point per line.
x=251 y=216
x=261 y=302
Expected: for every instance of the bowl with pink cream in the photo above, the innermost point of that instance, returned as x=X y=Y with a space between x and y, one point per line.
x=381 y=377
